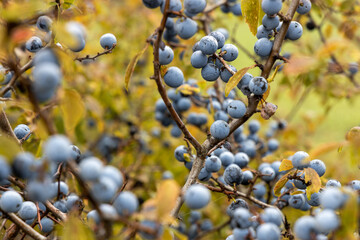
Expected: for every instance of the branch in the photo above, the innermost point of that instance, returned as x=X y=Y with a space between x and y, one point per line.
x=17 y=74
x=48 y=205
x=87 y=57
x=251 y=109
x=25 y=227
x=279 y=38
x=213 y=7
x=161 y=88
x=6 y=127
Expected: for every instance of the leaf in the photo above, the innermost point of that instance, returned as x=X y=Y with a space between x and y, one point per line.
x=300 y=64
x=73 y=109
x=166 y=196
x=250 y=10
x=75 y=227
x=285 y=165
x=186 y=89
x=8 y=147
x=348 y=218
x=281 y=183
x=311 y=175
x=264 y=97
x=130 y=68
x=235 y=79
x=274 y=73
x=324 y=148
x=296 y=192
x=175 y=232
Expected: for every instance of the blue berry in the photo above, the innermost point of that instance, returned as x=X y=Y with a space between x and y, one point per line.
x=183 y=104
x=198 y=59
x=221 y=115
x=11 y=202
x=204 y=175
x=333 y=183
x=21 y=131
x=224 y=32
x=236 y=109
x=258 y=85
x=4 y=169
x=273 y=145
x=243 y=85
x=231 y=52
x=126 y=203
x=197 y=196
x=300 y=159
x=34 y=44
x=47 y=78
x=220 y=129
x=238 y=203
x=23 y=165
x=318 y=166
x=304 y=7
x=233 y=174
x=236 y=9
x=72 y=201
x=194 y=6
x=271 y=7
x=269 y=174
x=90 y=168
x=314 y=199
x=213 y=164
x=208 y=45
x=43 y=23
x=186 y=28
x=166 y=55
x=77 y=31
x=179 y=153
x=247 y=177
x=107 y=41
x=327 y=221
x=152 y=3
x=332 y=198
x=241 y=159
x=225 y=75
x=296 y=201
x=210 y=72
x=104 y=189
x=263 y=47
x=227 y=158
x=47 y=225
x=259 y=190
x=295 y=31
x=174 y=5
x=353 y=68
x=305 y=227
x=268 y=231
x=114 y=174
x=272 y=215
x=75 y=153
x=174 y=77
x=248 y=147
x=242 y=217
x=270 y=22
x=262 y=32
x=355 y=184
x=56 y=149
x=220 y=38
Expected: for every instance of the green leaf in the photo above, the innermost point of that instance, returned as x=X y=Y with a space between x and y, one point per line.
x=8 y=147
x=75 y=227
x=130 y=68
x=235 y=79
x=311 y=175
x=251 y=11
x=73 y=109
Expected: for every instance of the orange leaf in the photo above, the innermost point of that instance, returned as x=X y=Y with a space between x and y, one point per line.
x=285 y=165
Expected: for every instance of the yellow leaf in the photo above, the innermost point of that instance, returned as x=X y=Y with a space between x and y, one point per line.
x=250 y=10
x=149 y=209
x=175 y=233
x=235 y=79
x=75 y=227
x=265 y=96
x=349 y=218
x=187 y=157
x=312 y=176
x=73 y=109
x=281 y=183
x=186 y=89
x=296 y=192
x=285 y=165
x=8 y=147
x=166 y=196
x=130 y=68
x=274 y=73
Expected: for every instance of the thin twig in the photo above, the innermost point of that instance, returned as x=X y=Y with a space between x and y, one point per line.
x=25 y=227
x=87 y=57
